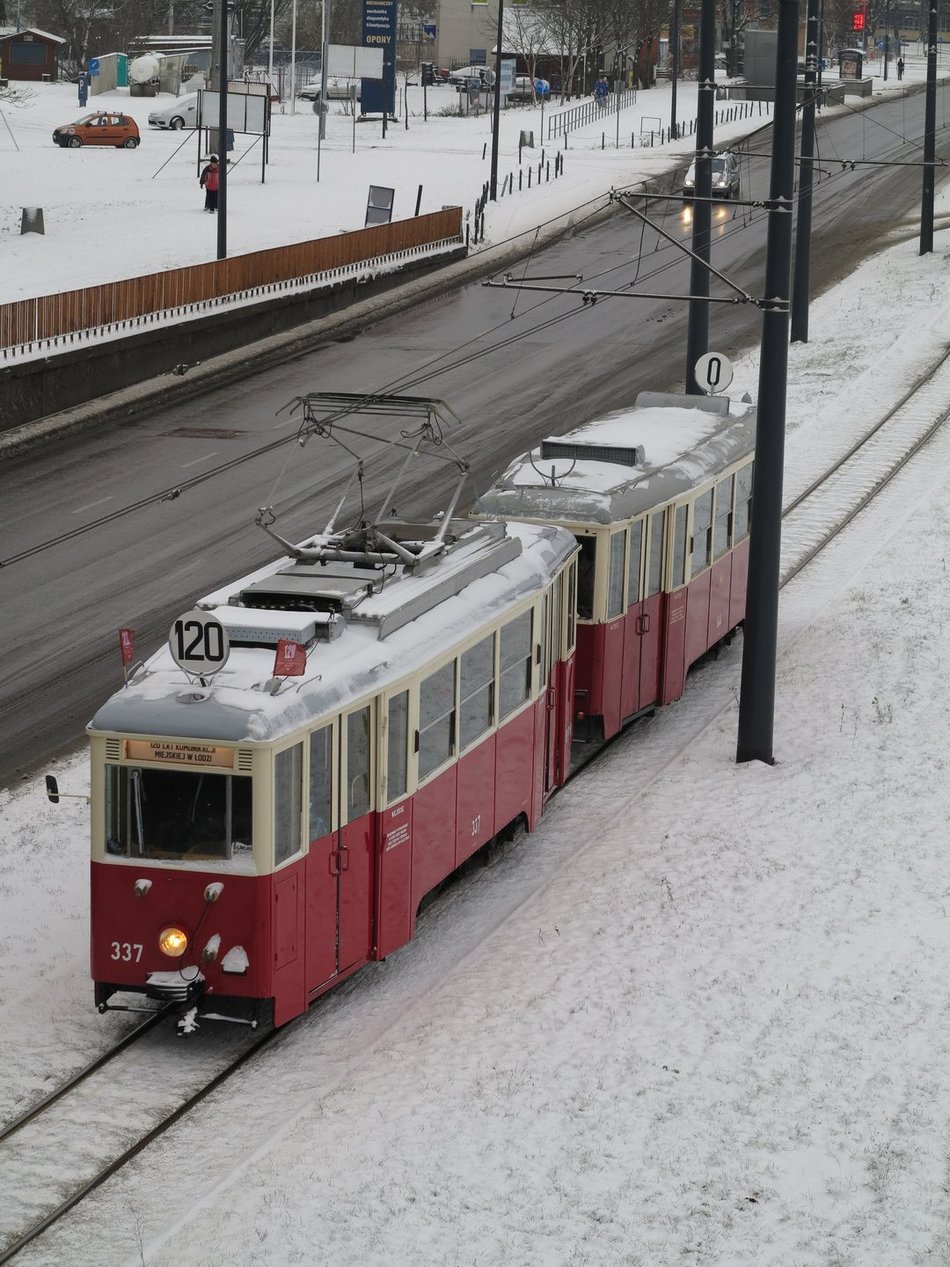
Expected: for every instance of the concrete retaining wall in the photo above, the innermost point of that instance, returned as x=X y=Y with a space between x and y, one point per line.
x=38 y=388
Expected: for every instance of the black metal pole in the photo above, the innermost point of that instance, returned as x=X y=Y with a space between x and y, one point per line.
x=802 y=283
x=674 y=55
x=887 y=36
x=697 y=329
x=757 y=700
x=223 y=130
x=496 y=108
x=930 y=128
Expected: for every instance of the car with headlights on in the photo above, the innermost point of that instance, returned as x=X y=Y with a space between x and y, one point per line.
x=725 y=177
x=105 y=127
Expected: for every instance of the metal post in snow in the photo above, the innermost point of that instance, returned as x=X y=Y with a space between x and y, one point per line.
x=802 y=282
x=760 y=639
x=496 y=104
x=222 y=15
x=697 y=330
x=930 y=127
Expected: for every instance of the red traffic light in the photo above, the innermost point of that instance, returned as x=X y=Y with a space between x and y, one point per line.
x=857 y=20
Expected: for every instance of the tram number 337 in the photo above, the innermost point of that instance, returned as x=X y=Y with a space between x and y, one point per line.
x=127 y=951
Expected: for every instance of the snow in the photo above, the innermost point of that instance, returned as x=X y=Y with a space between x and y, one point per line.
x=697 y=1016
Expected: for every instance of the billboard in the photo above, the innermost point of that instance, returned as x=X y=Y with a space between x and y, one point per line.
x=378 y=96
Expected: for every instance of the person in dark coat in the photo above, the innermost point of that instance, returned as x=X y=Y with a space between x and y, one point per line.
x=209 y=183
x=900 y=68
x=601 y=88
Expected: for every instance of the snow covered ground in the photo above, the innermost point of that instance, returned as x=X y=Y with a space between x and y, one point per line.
x=699 y=1016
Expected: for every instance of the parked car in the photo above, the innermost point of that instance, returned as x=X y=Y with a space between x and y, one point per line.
x=725 y=177
x=102 y=128
x=461 y=76
x=181 y=113
x=528 y=89
x=337 y=90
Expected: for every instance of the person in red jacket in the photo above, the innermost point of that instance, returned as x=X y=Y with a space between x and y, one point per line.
x=209 y=182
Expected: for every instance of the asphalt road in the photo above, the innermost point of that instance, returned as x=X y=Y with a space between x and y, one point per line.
x=87 y=548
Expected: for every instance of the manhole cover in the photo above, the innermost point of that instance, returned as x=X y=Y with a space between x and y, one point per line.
x=206 y=433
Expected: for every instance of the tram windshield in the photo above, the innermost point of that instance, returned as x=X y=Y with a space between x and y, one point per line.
x=176 y=814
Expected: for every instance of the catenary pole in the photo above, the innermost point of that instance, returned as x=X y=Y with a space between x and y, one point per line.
x=760 y=640
x=930 y=128
x=222 y=128
x=496 y=105
x=802 y=283
x=697 y=328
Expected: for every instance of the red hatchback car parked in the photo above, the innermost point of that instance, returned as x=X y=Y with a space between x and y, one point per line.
x=103 y=128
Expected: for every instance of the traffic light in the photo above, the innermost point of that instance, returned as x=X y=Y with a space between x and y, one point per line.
x=858 y=20
x=428 y=74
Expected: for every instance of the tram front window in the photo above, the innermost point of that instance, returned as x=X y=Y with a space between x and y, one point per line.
x=171 y=814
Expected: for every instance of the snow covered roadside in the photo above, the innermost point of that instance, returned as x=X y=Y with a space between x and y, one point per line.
x=716 y=1030
x=114 y=213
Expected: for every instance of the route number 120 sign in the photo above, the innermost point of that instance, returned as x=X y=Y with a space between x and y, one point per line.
x=198 y=643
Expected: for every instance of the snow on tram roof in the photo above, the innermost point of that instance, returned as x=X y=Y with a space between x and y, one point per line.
x=617 y=467
x=373 y=651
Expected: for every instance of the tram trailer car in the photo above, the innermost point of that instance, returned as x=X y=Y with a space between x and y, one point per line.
x=659 y=498
x=257 y=837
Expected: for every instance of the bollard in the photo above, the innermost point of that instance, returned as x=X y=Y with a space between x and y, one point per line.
x=31 y=221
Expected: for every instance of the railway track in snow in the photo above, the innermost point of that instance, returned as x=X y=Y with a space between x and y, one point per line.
x=75 y=1138
x=831 y=502
x=67 y=1144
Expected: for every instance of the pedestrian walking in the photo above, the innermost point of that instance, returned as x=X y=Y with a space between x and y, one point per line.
x=900 y=68
x=600 y=90
x=209 y=183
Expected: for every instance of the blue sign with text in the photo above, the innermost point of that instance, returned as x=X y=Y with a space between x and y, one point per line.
x=378 y=96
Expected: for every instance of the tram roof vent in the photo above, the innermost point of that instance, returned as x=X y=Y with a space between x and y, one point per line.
x=618 y=454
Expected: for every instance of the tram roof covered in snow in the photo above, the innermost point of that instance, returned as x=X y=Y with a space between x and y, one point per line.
x=367 y=619
x=618 y=467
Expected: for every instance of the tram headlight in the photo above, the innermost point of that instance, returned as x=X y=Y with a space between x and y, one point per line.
x=173 y=942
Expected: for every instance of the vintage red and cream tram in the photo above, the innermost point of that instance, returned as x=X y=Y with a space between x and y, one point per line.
x=259 y=834
x=659 y=498
x=323 y=742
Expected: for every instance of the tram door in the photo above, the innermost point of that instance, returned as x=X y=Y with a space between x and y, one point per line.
x=340 y=899
x=550 y=653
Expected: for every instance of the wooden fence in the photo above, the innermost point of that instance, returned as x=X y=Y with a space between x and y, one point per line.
x=50 y=316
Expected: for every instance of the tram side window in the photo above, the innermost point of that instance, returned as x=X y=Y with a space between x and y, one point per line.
x=287 y=803
x=633 y=567
x=514 y=685
x=436 y=719
x=679 y=548
x=655 y=562
x=723 y=517
x=172 y=814
x=398 y=744
x=358 y=764
x=586 y=571
x=321 y=814
x=743 y=513
x=477 y=674
x=615 y=576
x=702 y=532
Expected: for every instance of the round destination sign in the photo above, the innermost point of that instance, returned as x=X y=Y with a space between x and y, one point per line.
x=199 y=643
x=713 y=372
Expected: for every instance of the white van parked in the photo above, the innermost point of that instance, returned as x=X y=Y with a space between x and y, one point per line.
x=182 y=113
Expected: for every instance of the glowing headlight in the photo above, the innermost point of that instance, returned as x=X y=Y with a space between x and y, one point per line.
x=173 y=942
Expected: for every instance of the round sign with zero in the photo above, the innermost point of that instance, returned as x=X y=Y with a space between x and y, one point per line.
x=713 y=373
x=199 y=643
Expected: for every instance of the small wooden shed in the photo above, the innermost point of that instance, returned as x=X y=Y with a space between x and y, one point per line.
x=30 y=55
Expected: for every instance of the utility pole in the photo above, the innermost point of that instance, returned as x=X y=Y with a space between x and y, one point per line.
x=496 y=106
x=673 y=52
x=760 y=639
x=221 y=7
x=930 y=128
x=697 y=330
x=802 y=285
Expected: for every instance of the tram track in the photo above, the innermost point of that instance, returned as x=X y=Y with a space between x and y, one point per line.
x=69 y=1143
x=811 y=520
x=832 y=500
